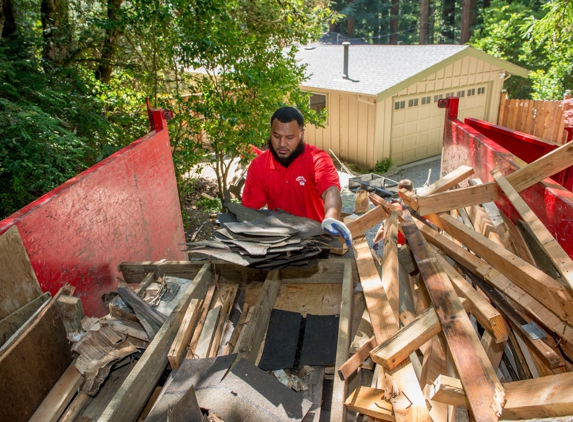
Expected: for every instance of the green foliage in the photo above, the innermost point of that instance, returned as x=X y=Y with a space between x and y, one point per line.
x=209 y=205
x=383 y=166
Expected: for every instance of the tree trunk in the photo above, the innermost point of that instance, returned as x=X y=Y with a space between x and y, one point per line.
x=55 y=19
x=431 y=21
x=468 y=20
x=424 y=6
x=350 y=23
x=7 y=21
x=112 y=34
x=449 y=21
x=394 y=12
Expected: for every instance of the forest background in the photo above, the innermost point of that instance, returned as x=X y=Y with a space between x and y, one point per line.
x=74 y=74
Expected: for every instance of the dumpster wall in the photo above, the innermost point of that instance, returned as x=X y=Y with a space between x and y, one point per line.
x=125 y=208
x=551 y=202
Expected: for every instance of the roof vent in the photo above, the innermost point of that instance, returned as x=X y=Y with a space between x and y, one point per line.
x=346 y=46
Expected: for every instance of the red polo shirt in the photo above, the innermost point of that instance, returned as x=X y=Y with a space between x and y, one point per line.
x=297 y=189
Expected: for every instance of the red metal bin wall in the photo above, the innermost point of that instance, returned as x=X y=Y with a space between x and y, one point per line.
x=552 y=203
x=125 y=208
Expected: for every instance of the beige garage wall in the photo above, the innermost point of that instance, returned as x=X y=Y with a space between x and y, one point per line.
x=349 y=129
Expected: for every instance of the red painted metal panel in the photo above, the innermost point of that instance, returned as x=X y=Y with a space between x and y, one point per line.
x=125 y=208
x=551 y=202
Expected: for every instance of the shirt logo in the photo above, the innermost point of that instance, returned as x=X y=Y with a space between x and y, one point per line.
x=301 y=180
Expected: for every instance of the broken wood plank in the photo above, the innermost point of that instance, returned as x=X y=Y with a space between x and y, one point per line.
x=18 y=282
x=483 y=388
x=542 y=168
x=203 y=311
x=26 y=378
x=389 y=275
x=150 y=318
x=370 y=401
x=315 y=383
x=493 y=349
x=537 y=345
x=207 y=334
x=560 y=259
x=147 y=280
x=517 y=240
x=448 y=181
x=547 y=290
x=183 y=337
x=59 y=396
x=480 y=308
x=227 y=304
x=338 y=411
x=384 y=324
x=359 y=226
x=543 y=397
x=12 y=323
x=143 y=378
x=354 y=362
x=250 y=340
x=78 y=405
x=500 y=282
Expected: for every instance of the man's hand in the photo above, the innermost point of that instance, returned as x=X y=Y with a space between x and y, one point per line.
x=337 y=228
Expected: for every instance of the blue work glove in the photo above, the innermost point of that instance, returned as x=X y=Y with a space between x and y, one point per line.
x=375 y=246
x=337 y=228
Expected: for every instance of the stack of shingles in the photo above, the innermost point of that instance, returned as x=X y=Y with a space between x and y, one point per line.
x=265 y=240
x=485 y=330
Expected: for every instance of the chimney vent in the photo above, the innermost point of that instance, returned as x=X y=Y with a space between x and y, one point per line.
x=346 y=46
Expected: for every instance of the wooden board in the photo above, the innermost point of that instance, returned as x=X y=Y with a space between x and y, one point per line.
x=448 y=181
x=16 y=319
x=482 y=386
x=32 y=365
x=18 y=282
x=59 y=397
x=143 y=378
x=338 y=411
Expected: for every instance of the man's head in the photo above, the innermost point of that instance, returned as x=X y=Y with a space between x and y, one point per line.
x=406 y=184
x=287 y=135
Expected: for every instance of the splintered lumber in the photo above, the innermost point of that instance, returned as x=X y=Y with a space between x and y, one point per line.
x=78 y=405
x=338 y=411
x=140 y=289
x=407 y=340
x=390 y=276
x=447 y=390
x=13 y=322
x=59 y=396
x=384 y=325
x=142 y=380
x=371 y=402
x=561 y=261
x=251 y=337
x=537 y=345
x=354 y=362
x=449 y=180
x=179 y=347
x=223 y=316
x=536 y=398
x=482 y=386
x=499 y=281
x=150 y=318
x=203 y=311
x=546 y=289
x=359 y=226
x=480 y=308
x=521 y=179
x=18 y=282
x=33 y=363
x=207 y=334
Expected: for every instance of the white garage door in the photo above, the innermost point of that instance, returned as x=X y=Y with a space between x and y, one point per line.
x=418 y=123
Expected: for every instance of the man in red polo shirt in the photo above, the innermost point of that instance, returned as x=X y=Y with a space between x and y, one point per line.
x=295 y=177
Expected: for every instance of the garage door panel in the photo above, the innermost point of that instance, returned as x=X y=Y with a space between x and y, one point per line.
x=417 y=131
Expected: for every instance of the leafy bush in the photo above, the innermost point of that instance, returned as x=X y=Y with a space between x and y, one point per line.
x=209 y=205
x=382 y=166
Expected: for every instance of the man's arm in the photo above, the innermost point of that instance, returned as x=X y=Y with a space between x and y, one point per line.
x=332 y=203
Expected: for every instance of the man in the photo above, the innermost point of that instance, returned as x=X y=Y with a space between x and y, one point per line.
x=295 y=177
x=402 y=184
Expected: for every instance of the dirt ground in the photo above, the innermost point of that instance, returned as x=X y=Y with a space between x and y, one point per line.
x=199 y=224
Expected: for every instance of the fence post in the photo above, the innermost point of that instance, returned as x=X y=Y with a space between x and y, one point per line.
x=501 y=107
x=564 y=137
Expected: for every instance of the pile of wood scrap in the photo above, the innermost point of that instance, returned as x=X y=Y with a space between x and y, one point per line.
x=265 y=240
x=467 y=321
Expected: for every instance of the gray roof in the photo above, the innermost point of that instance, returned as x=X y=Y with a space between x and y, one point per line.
x=384 y=69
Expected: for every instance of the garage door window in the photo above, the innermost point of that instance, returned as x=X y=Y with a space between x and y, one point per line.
x=399 y=104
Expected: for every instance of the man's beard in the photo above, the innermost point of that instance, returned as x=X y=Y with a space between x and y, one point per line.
x=285 y=162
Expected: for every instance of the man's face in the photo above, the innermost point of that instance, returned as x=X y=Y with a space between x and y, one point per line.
x=285 y=138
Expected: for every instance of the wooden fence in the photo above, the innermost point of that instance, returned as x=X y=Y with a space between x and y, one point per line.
x=544 y=119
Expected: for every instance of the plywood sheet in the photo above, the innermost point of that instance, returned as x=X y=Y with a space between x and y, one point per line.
x=18 y=282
